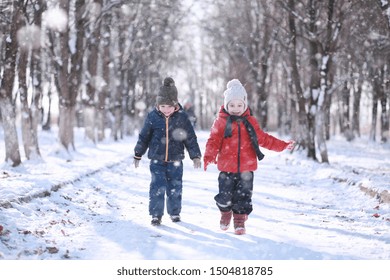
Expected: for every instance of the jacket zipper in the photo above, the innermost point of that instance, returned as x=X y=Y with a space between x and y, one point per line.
x=239 y=145
x=166 y=137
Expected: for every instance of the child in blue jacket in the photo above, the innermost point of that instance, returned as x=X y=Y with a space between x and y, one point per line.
x=166 y=133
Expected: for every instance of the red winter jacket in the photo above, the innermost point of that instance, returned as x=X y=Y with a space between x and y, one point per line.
x=236 y=154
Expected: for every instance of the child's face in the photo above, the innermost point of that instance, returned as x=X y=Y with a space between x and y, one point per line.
x=236 y=107
x=167 y=110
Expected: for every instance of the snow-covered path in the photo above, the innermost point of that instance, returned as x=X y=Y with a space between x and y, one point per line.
x=302 y=210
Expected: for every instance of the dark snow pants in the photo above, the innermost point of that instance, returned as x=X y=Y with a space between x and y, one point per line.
x=166 y=178
x=235 y=192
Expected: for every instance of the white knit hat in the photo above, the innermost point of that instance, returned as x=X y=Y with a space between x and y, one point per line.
x=235 y=90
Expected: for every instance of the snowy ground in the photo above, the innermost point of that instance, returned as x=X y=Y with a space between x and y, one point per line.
x=93 y=205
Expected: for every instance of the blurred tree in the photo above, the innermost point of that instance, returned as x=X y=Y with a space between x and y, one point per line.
x=29 y=42
x=12 y=12
x=307 y=65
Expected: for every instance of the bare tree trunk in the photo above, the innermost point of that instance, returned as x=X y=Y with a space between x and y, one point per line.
x=325 y=78
x=323 y=106
x=26 y=119
x=315 y=81
x=30 y=113
x=7 y=109
x=36 y=76
x=384 y=117
x=119 y=94
x=66 y=124
x=375 y=94
x=12 y=152
x=327 y=86
x=320 y=135
x=265 y=54
x=345 y=112
x=66 y=101
x=68 y=68
x=89 y=117
x=117 y=108
x=373 y=121
x=106 y=59
x=356 y=111
x=128 y=116
x=76 y=57
x=385 y=7
x=303 y=132
x=283 y=108
x=47 y=124
x=93 y=81
x=101 y=108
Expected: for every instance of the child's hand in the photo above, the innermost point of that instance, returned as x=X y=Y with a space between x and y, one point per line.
x=197 y=163
x=136 y=162
x=291 y=145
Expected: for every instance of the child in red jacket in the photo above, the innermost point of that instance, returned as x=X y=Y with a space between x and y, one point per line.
x=233 y=145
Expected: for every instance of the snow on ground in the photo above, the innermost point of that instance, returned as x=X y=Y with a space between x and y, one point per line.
x=93 y=205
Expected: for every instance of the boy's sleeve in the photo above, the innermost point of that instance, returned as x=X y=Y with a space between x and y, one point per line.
x=143 y=139
x=191 y=142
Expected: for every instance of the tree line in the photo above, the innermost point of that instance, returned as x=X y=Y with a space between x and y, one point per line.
x=308 y=62
x=314 y=58
x=93 y=55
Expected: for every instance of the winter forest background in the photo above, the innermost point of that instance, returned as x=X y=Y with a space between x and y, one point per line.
x=312 y=68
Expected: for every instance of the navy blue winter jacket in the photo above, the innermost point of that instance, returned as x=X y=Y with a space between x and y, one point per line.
x=166 y=137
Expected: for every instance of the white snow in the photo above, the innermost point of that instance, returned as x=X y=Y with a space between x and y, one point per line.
x=56 y=19
x=302 y=209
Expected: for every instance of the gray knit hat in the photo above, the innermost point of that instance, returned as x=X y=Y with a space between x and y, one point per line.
x=235 y=90
x=167 y=94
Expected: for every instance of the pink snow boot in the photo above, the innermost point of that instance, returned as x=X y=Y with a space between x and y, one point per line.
x=239 y=223
x=225 y=220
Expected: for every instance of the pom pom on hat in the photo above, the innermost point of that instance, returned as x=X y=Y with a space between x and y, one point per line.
x=233 y=83
x=235 y=91
x=167 y=94
x=169 y=82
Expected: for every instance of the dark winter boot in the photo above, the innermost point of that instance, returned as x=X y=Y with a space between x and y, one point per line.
x=175 y=218
x=239 y=223
x=225 y=220
x=156 y=221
